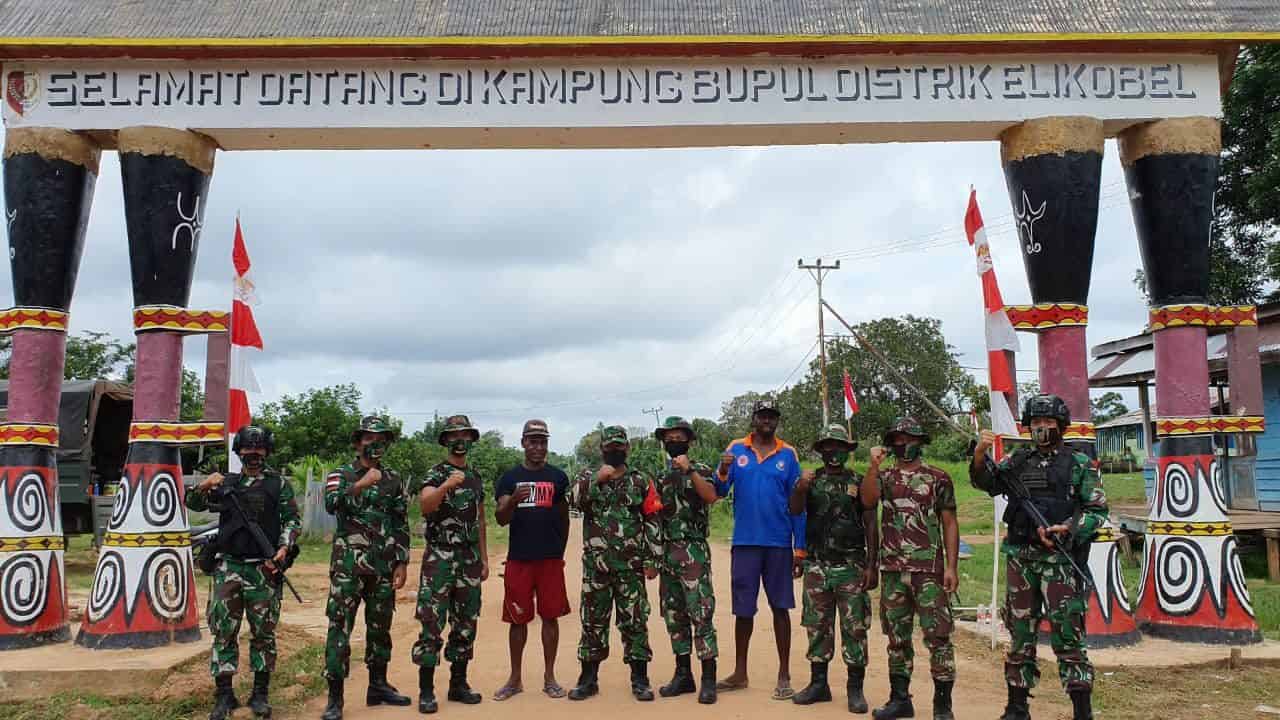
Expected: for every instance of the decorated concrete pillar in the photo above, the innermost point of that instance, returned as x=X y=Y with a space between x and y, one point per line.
x=48 y=189
x=143 y=592
x=1053 y=169
x=1192 y=586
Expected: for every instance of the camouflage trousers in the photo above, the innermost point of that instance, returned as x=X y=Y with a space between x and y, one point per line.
x=242 y=589
x=346 y=590
x=903 y=595
x=1033 y=583
x=688 y=602
x=832 y=589
x=448 y=591
x=606 y=586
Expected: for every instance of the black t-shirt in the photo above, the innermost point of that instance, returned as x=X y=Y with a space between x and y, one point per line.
x=535 y=526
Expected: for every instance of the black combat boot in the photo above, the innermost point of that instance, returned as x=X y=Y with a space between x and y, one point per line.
x=707 y=693
x=682 y=680
x=640 y=681
x=459 y=690
x=258 y=702
x=857 y=701
x=380 y=691
x=818 y=690
x=427 y=689
x=1082 y=703
x=899 y=705
x=588 y=682
x=224 y=698
x=333 y=710
x=1017 y=708
x=942 y=700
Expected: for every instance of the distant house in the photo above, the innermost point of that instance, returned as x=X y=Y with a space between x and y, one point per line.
x=1252 y=483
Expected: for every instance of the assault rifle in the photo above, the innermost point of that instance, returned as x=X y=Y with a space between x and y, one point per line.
x=1018 y=493
x=265 y=546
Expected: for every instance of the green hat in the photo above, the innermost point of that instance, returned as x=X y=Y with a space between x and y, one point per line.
x=457 y=422
x=373 y=424
x=675 y=422
x=837 y=434
x=613 y=434
x=907 y=426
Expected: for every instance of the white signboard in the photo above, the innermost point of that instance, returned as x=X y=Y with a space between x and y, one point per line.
x=698 y=92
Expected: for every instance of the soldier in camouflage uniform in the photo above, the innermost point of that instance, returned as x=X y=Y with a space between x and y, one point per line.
x=454 y=564
x=837 y=576
x=917 y=520
x=369 y=562
x=620 y=551
x=687 y=492
x=244 y=582
x=1068 y=492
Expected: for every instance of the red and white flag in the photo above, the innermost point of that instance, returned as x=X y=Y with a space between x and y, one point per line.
x=850 y=401
x=245 y=342
x=999 y=331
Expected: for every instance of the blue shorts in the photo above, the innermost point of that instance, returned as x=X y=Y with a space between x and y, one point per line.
x=752 y=565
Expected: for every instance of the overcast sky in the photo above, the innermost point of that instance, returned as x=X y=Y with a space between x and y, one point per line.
x=585 y=286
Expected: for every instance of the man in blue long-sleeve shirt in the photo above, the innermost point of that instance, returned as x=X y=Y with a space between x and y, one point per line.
x=768 y=541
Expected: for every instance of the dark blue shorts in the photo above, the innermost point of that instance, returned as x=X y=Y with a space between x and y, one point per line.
x=752 y=565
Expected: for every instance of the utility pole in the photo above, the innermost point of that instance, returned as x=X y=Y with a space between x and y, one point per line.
x=656 y=420
x=818 y=271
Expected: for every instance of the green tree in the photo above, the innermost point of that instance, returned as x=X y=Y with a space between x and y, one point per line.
x=1108 y=406
x=735 y=415
x=318 y=421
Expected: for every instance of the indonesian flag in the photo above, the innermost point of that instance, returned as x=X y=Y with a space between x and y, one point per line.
x=245 y=341
x=850 y=402
x=999 y=331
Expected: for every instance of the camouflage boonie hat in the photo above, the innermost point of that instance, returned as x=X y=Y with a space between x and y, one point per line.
x=457 y=422
x=767 y=406
x=613 y=434
x=535 y=428
x=907 y=426
x=675 y=422
x=373 y=424
x=837 y=434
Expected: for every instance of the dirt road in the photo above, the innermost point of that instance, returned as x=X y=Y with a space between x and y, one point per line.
x=979 y=694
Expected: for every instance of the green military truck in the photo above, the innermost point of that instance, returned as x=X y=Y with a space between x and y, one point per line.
x=93 y=439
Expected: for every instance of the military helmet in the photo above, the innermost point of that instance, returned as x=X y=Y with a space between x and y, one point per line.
x=457 y=422
x=1046 y=405
x=252 y=436
x=674 y=422
x=836 y=433
x=373 y=424
x=906 y=425
x=613 y=434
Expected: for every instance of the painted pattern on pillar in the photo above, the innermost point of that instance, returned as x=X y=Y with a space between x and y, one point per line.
x=143 y=591
x=164 y=201
x=1192 y=579
x=33 y=599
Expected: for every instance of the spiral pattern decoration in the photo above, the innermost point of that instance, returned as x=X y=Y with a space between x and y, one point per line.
x=1181 y=491
x=160 y=505
x=29 y=504
x=24 y=589
x=165 y=575
x=108 y=584
x=1235 y=574
x=1217 y=486
x=1181 y=566
x=120 y=510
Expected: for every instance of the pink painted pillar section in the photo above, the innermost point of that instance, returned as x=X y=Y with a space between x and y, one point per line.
x=158 y=377
x=1184 y=393
x=1064 y=368
x=35 y=376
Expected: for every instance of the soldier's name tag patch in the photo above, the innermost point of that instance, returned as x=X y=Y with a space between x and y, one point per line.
x=781 y=465
x=742 y=461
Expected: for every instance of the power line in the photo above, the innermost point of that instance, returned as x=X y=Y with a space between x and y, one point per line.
x=795 y=369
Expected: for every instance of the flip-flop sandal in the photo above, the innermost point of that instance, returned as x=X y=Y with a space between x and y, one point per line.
x=783 y=693
x=726 y=686
x=506 y=692
x=553 y=690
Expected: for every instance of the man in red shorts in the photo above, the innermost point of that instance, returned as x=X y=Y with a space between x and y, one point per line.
x=532 y=501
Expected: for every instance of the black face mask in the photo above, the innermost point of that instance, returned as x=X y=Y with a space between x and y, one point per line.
x=1046 y=436
x=834 y=458
x=459 y=446
x=616 y=458
x=676 y=449
x=252 y=463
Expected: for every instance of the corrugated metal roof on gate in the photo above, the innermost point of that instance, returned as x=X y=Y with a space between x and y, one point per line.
x=597 y=19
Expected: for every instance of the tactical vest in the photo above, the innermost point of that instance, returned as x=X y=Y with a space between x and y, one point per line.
x=837 y=534
x=261 y=504
x=1049 y=486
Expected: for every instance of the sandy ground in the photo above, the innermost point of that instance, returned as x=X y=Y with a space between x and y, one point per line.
x=980 y=691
